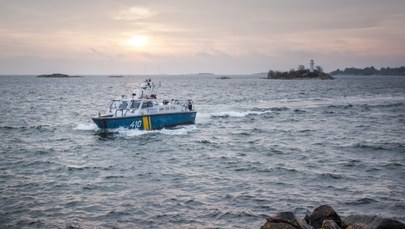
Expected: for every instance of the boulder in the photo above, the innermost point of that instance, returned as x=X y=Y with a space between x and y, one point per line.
x=269 y=225
x=372 y=222
x=329 y=224
x=285 y=220
x=325 y=217
x=321 y=213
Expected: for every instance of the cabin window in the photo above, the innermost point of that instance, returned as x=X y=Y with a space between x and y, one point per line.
x=114 y=105
x=123 y=105
x=147 y=104
x=135 y=104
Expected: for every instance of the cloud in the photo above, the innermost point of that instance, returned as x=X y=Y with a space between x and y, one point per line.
x=134 y=13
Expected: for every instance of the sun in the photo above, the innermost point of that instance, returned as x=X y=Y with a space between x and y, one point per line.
x=138 y=41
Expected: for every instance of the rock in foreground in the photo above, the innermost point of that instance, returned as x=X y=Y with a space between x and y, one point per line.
x=322 y=213
x=373 y=222
x=326 y=218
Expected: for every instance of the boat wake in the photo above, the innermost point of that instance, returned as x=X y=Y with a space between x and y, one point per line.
x=208 y=112
x=179 y=130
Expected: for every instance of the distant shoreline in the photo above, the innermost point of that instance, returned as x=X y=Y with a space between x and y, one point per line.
x=57 y=75
x=371 y=71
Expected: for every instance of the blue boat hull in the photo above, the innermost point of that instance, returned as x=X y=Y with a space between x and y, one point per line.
x=146 y=122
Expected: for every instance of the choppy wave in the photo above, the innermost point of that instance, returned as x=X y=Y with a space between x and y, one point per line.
x=81 y=168
x=238 y=114
x=390 y=146
x=37 y=127
x=367 y=106
x=299 y=145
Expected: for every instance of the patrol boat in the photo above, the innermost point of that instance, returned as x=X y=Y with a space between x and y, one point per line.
x=142 y=110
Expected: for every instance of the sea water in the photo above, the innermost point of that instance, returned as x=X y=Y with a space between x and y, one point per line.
x=258 y=147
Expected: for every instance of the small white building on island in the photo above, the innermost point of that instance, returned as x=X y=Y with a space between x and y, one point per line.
x=311 y=66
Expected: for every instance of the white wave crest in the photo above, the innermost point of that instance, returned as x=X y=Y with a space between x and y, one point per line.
x=183 y=130
x=124 y=132
x=203 y=117
x=86 y=126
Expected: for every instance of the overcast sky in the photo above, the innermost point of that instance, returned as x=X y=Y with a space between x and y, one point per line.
x=192 y=36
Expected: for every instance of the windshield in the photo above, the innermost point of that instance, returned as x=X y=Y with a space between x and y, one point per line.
x=114 y=105
x=135 y=104
x=123 y=105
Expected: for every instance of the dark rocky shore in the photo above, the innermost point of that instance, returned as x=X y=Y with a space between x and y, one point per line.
x=326 y=218
x=57 y=75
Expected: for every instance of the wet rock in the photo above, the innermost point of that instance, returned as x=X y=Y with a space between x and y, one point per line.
x=325 y=217
x=285 y=220
x=372 y=222
x=356 y=226
x=270 y=225
x=329 y=224
x=321 y=213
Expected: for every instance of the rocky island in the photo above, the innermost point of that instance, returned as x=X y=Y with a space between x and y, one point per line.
x=224 y=78
x=57 y=75
x=300 y=73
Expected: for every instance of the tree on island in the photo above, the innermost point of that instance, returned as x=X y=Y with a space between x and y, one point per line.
x=301 y=67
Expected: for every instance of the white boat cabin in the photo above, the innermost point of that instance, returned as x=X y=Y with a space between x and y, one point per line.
x=144 y=102
x=129 y=107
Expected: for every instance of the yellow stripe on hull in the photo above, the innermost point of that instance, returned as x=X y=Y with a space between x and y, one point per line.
x=146 y=121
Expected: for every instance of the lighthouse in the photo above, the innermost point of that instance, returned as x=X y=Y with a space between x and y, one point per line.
x=311 y=66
